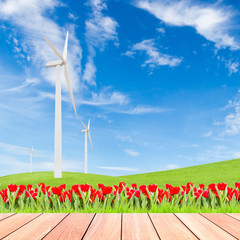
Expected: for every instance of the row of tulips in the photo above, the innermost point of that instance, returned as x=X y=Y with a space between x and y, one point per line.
x=84 y=196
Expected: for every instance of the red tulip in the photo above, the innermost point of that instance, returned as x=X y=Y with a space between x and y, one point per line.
x=174 y=190
x=168 y=186
x=12 y=187
x=237 y=185
x=134 y=186
x=143 y=188
x=42 y=185
x=212 y=186
x=122 y=184
x=57 y=190
x=75 y=188
x=85 y=187
x=137 y=194
x=197 y=195
x=152 y=188
x=106 y=190
x=205 y=194
x=21 y=188
x=100 y=185
x=189 y=185
x=129 y=195
x=222 y=186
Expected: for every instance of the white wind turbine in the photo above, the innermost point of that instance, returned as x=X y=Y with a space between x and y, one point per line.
x=31 y=158
x=58 y=104
x=87 y=131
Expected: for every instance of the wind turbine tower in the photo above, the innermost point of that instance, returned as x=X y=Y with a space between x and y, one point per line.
x=58 y=104
x=87 y=132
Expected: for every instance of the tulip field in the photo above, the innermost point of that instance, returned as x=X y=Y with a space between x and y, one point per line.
x=191 y=189
x=121 y=198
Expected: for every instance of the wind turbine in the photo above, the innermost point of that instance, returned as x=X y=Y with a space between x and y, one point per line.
x=31 y=157
x=87 y=131
x=58 y=104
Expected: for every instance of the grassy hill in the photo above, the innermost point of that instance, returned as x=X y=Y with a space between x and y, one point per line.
x=225 y=171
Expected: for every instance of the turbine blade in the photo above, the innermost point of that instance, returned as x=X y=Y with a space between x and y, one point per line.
x=88 y=124
x=90 y=139
x=66 y=73
x=84 y=125
x=54 y=49
x=65 y=48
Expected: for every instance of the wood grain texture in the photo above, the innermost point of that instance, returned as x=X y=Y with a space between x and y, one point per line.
x=5 y=215
x=226 y=222
x=38 y=228
x=9 y=225
x=72 y=227
x=169 y=227
x=202 y=227
x=105 y=227
x=234 y=215
x=138 y=226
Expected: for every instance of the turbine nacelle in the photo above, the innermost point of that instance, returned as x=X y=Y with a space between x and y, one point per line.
x=31 y=150
x=55 y=63
x=87 y=129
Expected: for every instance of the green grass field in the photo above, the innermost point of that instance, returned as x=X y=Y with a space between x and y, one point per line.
x=225 y=171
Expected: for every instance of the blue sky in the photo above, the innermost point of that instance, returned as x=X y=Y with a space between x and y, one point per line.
x=158 y=79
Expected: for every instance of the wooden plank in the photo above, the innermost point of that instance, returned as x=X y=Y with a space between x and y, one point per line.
x=169 y=227
x=72 y=227
x=5 y=215
x=234 y=215
x=105 y=226
x=202 y=227
x=138 y=226
x=9 y=225
x=226 y=222
x=38 y=228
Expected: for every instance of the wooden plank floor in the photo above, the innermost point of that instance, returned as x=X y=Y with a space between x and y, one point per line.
x=133 y=226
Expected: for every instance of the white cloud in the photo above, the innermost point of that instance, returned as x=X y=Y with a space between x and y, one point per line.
x=100 y=29
x=103 y=98
x=161 y=30
x=23 y=151
x=72 y=17
x=171 y=166
x=16 y=157
x=124 y=138
x=212 y=21
x=19 y=150
x=106 y=97
x=90 y=71
x=232 y=66
x=155 y=57
x=29 y=81
x=217 y=153
x=232 y=120
x=138 y=110
x=132 y=152
x=207 y=134
x=30 y=19
x=120 y=169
